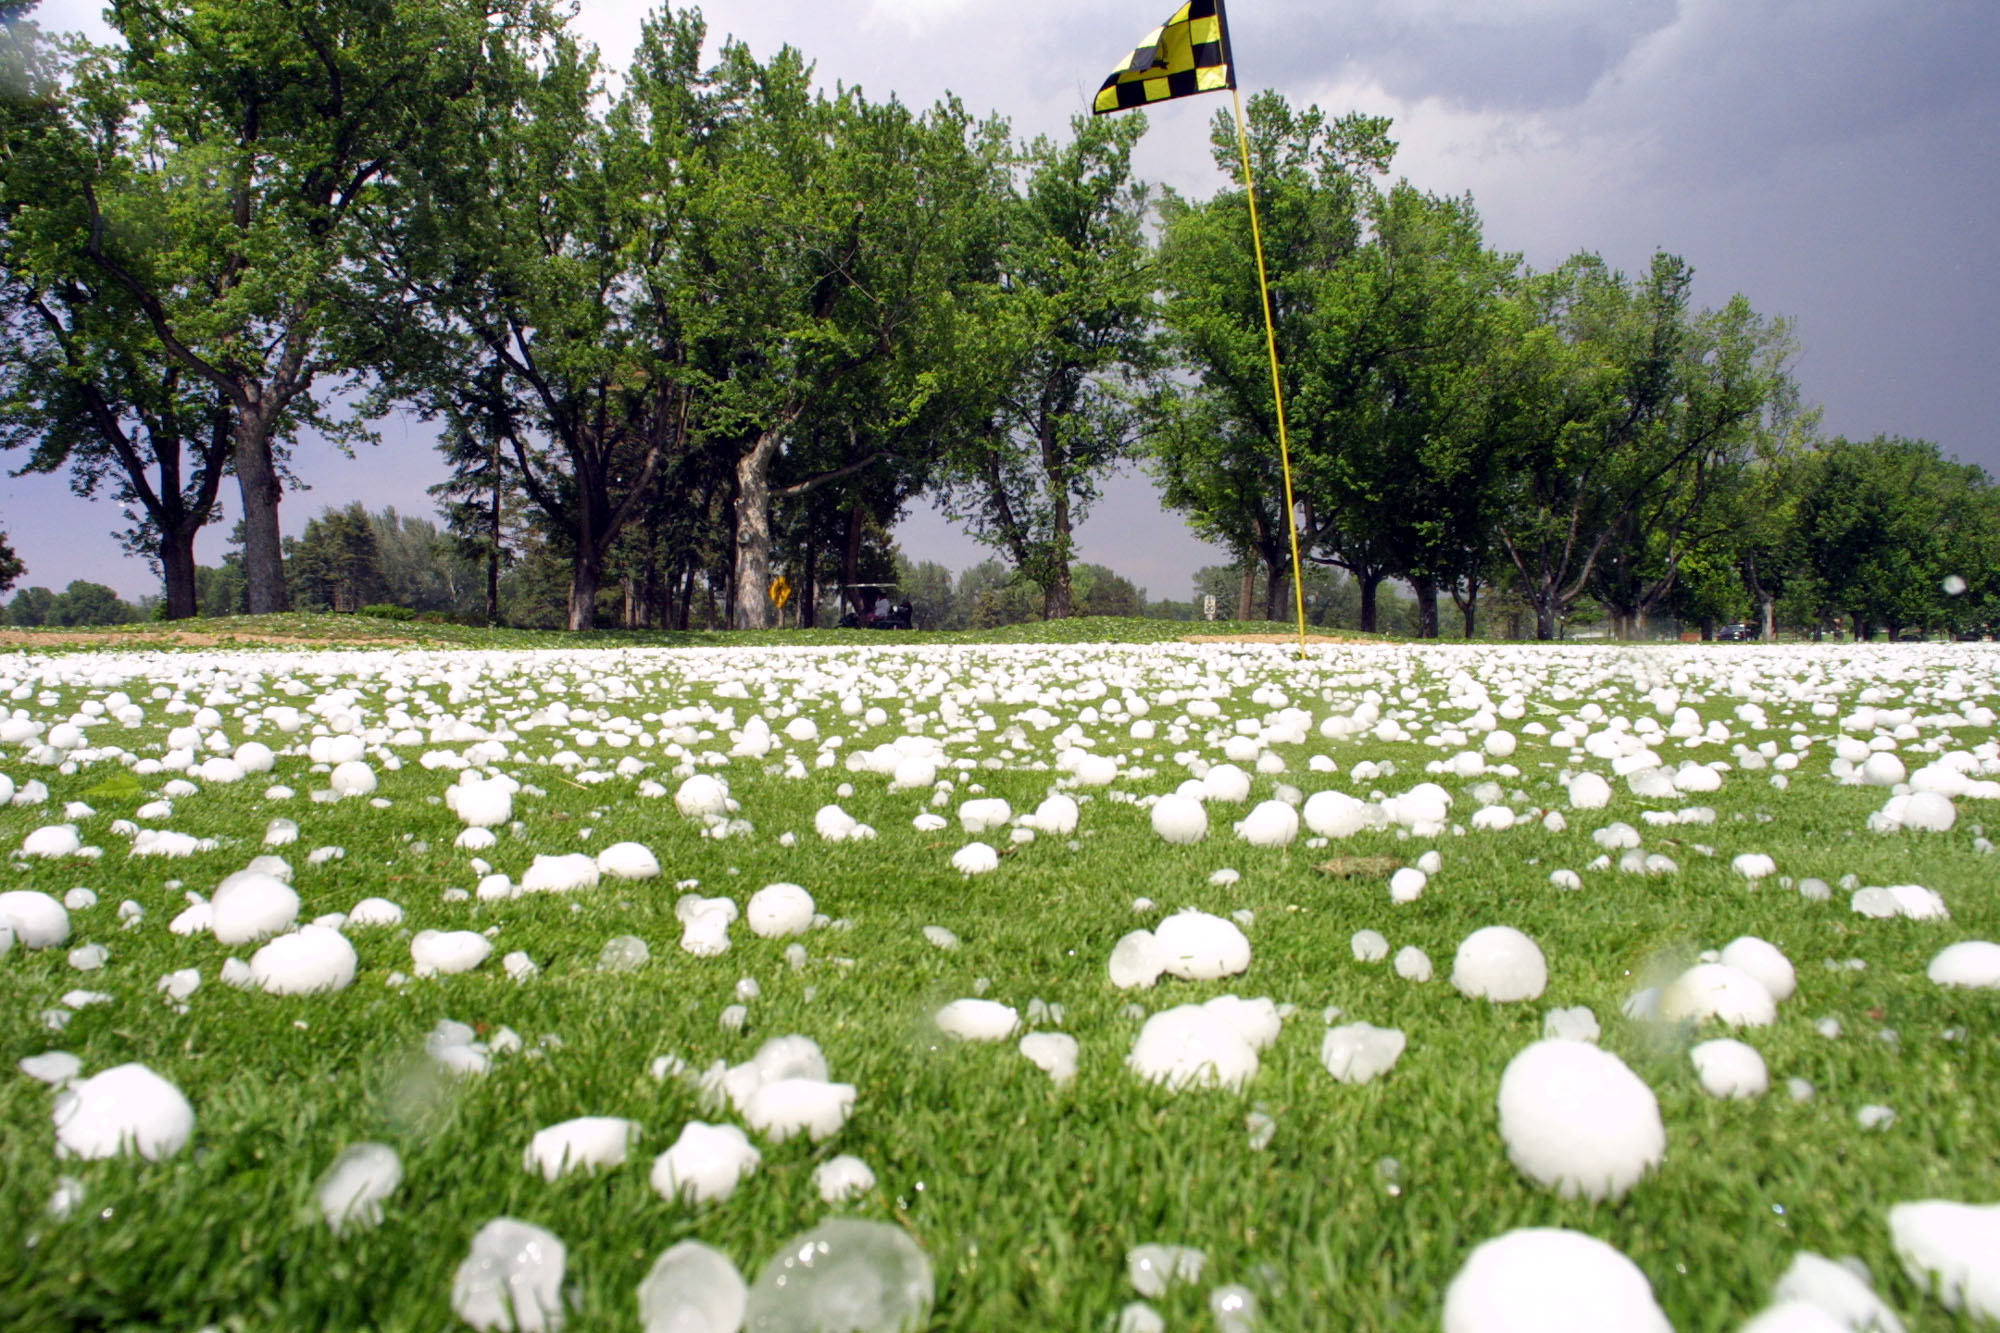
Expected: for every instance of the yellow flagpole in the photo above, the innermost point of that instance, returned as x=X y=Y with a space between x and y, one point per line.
x=1277 y=387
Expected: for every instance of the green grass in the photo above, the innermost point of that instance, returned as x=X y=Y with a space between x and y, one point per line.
x=1025 y=1196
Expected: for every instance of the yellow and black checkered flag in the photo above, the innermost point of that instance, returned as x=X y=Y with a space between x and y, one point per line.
x=1187 y=54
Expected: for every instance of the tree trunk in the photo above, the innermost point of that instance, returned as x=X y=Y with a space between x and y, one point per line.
x=585 y=577
x=753 y=533
x=1369 y=583
x=809 y=591
x=257 y=480
x=685 y=611
x=1469 y=608
x=1546 y=620
x=493 y=546
x=1056 y=595
x=1426 y=589
x=1767 y=617
x=1246 y=596
x=177 y=571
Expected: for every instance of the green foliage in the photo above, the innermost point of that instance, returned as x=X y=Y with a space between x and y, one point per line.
x=389 y=611
x=336 y=565
x=12 y=567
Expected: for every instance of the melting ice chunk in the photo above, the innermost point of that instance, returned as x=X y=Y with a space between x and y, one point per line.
x=512 y=1279
x=847 y=1274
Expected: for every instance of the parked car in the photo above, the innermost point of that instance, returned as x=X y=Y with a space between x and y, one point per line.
x=1743 y=631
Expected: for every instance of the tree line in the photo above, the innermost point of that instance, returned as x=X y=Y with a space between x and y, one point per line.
x=702 y=323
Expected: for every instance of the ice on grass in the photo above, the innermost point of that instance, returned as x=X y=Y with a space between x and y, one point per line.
x=125 y=1109
x=1361 y=1052
x=705 y=924
x=1730 y=1069
x=586 y=1143
x=869 y=1277
x=564 y=873
x=841 y=1178
x=983 y=814
x=779 y=910
x=1152 y=1268
x=1588 y=791
x=35 y=920
x=1501 y=964
x=1763 y=961
x=511 y=1282
x=1137 y=961
x=628 y=860
x=352 y=778
x=444 y=952
x=783 y=1108
x=1199 y=947
x=54 y=1068
x=1550 y=1280
x=692 y=1288
x=1837 y=1290
x=52 y=840
x=1413 y=964
x=1574 y=1024
x=977 y=1020
x=1720 y=992
x=623 y=953
x=374 y=912
x=705 y=1164
x=1193 y=1046
x=1970 y=963
x=1054 y=1053
x=355 y=1187
x=478 y=804
x=1577 y=1120
x=975 y=858
x=1270 y=824
x=1949 y=1249
x=702 y=795
x=1368 y=946
x=1057 y=816
x=309 y=960
x=1913 y=901
x=1335 y=814
x=251 y=905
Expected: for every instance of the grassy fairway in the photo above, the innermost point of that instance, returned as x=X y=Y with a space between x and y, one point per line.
x=1026 y=1196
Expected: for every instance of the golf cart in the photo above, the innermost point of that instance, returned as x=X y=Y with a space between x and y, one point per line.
x=874 y=606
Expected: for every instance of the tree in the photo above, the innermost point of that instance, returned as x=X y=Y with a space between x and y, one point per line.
x=1067 y=322
x=88 y=387
x=30 y=607
x=336 y=565
x=1614 y=415
x=1218 y=447
x=224 y=171
x=86 y=603
x=12 y=567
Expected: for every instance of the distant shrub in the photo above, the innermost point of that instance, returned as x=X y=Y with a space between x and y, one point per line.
x=386 y=611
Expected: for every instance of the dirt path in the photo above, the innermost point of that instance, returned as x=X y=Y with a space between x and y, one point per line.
x=1268 y=638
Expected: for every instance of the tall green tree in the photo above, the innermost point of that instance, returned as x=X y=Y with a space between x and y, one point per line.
x=336 y=564
x=224 y=170
x=1067 y=331
x=12 y=567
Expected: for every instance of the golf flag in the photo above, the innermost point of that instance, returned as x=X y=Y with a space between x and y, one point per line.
x=1187 y=54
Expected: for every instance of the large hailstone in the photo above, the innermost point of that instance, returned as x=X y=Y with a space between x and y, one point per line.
x=310 y=959
x=1763 y=961
x=125 y=1109
x=583 y=1144
x=1950 y=1248
x=1361 y=1052
x=37 y=920
x=352 y=778
x=482 y=804
x=705 y=1164
x=693 y=1289
x=564 y=873
x=1837 y=1290
x=1550 y=1280
x=52 y=840
x=778 y=910
x=512 y=1280
x=702 y=795
x=1270 y=824
x=1199 y=947
x=251 y=905
x=1589 y=791
x=1730 y=1069
x=782 y=1108
x=1501 y=964
x=844 y=1274
x=1971 y=963
x=628 y=860
x=443 y=952
x=1335 y=814
x=1180 y=819
x=354 y=1188
x=1575 y=1119
x=1137 y=961
x=1193 y=1046
x=1721 y=992
x=978 y=1020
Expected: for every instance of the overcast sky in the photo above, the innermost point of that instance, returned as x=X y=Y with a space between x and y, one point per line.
x=1833 y=160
